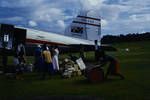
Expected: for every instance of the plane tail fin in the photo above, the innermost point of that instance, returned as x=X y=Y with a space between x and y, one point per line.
x=85 y=26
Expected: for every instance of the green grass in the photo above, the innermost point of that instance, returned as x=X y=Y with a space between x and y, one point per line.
x=135 y=65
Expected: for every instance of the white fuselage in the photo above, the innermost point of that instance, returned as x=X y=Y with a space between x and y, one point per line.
x=36 y=36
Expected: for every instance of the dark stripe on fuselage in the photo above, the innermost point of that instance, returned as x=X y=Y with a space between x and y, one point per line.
x=86 y=23
x=89 y=18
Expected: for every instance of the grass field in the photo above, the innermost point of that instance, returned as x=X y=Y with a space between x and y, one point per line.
x=135 y=65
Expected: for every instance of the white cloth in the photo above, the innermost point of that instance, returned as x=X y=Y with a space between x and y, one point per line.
x=55 y=60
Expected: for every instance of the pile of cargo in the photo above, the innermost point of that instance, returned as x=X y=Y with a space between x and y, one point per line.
x=69 y=68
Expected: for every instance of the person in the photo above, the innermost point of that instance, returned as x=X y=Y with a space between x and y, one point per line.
x=82 y=52
x=21 y=54
x=17 y=68
x=47 y=67
x=55 y=60
x=21 y=57
x=38 y=58
x=4 y=59
x=113 y=67
x=96 y=50
x=21 y=49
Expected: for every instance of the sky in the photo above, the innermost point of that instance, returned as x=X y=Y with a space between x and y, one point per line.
x=117 y=16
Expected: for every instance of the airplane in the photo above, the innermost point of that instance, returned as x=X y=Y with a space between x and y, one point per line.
x=83 y=31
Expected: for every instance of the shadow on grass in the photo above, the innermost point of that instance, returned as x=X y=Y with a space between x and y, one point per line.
x=87 y=82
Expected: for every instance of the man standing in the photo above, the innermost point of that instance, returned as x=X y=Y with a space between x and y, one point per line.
x=47 y=62
x=38 y=58
x=21 y=58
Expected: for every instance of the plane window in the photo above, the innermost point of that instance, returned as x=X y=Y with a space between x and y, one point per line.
x=77 y=29
x=6 y=38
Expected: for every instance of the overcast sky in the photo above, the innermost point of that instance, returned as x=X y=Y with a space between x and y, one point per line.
x=118 y=16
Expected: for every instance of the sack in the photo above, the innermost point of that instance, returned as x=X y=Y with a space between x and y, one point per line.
x=67 y=74
x=80 y=64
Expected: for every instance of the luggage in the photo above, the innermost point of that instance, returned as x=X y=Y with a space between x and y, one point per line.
x=95 y=74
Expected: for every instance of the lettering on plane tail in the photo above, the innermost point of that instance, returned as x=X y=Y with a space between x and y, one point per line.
x=85 y=26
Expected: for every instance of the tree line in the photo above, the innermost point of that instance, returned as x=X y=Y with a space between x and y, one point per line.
x=126 y=38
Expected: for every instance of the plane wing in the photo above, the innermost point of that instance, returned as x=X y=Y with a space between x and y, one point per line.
x=35 y=36
x=41 y=37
